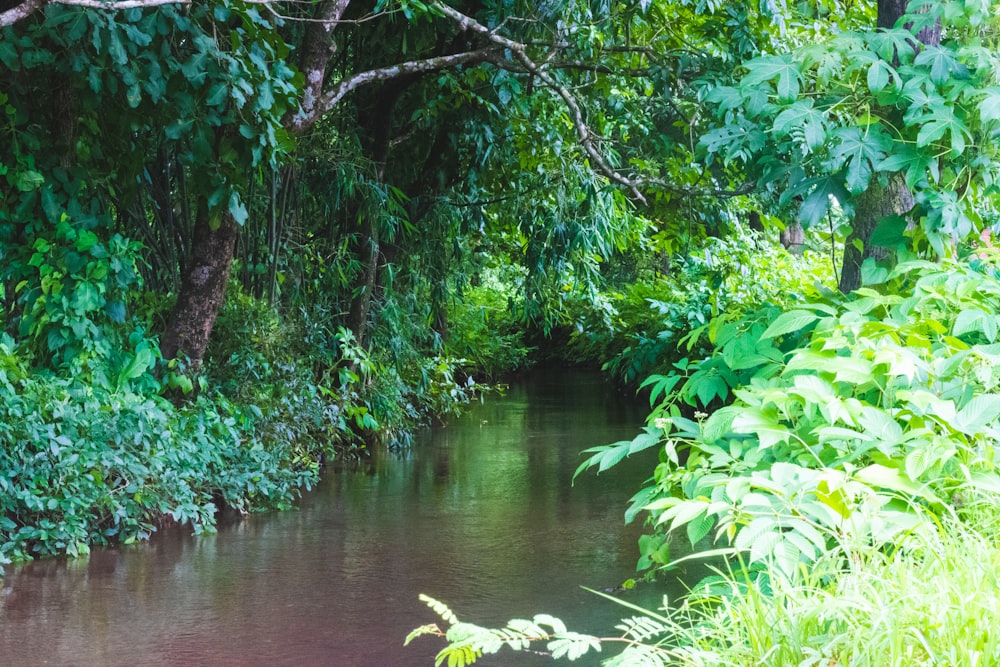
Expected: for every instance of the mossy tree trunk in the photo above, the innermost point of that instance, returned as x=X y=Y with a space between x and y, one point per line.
x=870 y=207
x=880 y=199
x=203 y=287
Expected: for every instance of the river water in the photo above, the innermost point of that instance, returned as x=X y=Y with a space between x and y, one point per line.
x=481 y=514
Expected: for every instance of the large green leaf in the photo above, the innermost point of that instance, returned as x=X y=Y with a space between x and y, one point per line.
x=859 y=150
x=138 y=365
x=802 y=120
x=816 y=205
x=788 y=322
x=942 y=63
x=893 y=479
x=978 y=413
x=768 y=68
x=989 y=107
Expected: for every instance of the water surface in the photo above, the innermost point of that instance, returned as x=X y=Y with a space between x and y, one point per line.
x=481 y=513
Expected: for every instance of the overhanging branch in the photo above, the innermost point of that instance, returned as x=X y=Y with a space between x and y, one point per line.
x=21 y=11
x=585 y=136
x=332 y=97
x=29 y=7
x=583 y=133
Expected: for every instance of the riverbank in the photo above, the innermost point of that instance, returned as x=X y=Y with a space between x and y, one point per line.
x=481 y=510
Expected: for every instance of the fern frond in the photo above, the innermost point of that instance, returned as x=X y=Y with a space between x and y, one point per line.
x=457 y=656
x=440 y=608
x=430 y=629
x=572 y=645
x=641 y=628
x=640 y=655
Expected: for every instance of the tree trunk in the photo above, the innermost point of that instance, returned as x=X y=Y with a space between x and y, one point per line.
x=871 y=206
x=203 y=287
x=793 y=238
x=879 y=201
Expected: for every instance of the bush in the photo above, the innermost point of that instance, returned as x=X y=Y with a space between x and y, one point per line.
x=860 y=417
x=485 y=333
x=855 y=606
x=645 y=327
x=84 y=465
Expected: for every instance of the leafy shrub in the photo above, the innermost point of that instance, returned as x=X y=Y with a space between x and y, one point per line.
x=640 y=329
x=85 y=465
x=857 y=417
x=854 y=606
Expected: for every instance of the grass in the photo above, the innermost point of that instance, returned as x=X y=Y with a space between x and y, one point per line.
x=936 y=602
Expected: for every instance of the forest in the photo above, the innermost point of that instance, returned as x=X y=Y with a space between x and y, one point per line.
x=240 y=239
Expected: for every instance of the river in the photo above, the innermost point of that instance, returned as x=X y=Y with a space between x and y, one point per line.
x=481 y=514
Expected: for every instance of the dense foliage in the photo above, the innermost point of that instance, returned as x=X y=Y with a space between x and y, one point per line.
x=831 y=444
x=239 y=239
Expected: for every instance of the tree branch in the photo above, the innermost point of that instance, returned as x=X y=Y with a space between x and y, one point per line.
x=583 y=133
x=301 y=122
x=21 y=11
x=585 y=136
x=29 y=7
x=317 y=48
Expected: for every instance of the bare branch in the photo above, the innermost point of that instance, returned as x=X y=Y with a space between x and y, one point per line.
x=21 y=11
x=332 y=97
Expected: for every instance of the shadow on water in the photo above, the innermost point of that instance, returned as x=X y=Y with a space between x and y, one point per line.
x=481 y=514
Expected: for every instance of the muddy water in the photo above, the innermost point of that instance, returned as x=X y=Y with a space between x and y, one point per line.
x=480 y=513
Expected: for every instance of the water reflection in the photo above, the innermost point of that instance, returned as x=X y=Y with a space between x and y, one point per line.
x=480 y=513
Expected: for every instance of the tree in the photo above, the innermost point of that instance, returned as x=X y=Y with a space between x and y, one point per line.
x=883 y=122
x=888 y=196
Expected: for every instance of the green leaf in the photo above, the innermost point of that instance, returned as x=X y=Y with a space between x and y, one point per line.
x=133 y=95
x=879 y=74
x=29 y=180
x=978 y=413
x=237 y=208
x=942 y=63
x=764 y=425
x=116 y=49
x=810 y=360
x=859 y=151
x=817 y=203
x=788 y=322
x=727 y=97
x=940 y=122
x=803 y=120
x=873 y=273
x=719 y=424
x=974 y=319
x=989 y=107
x=217 y=94
x=572 y=645
x=889 y=232
x=907 y=157
x=782 y=68
x=893 y=479
x=142 y=360
x=698 y=527
x=116 y=311
x=86 y=298
x=881 y=425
